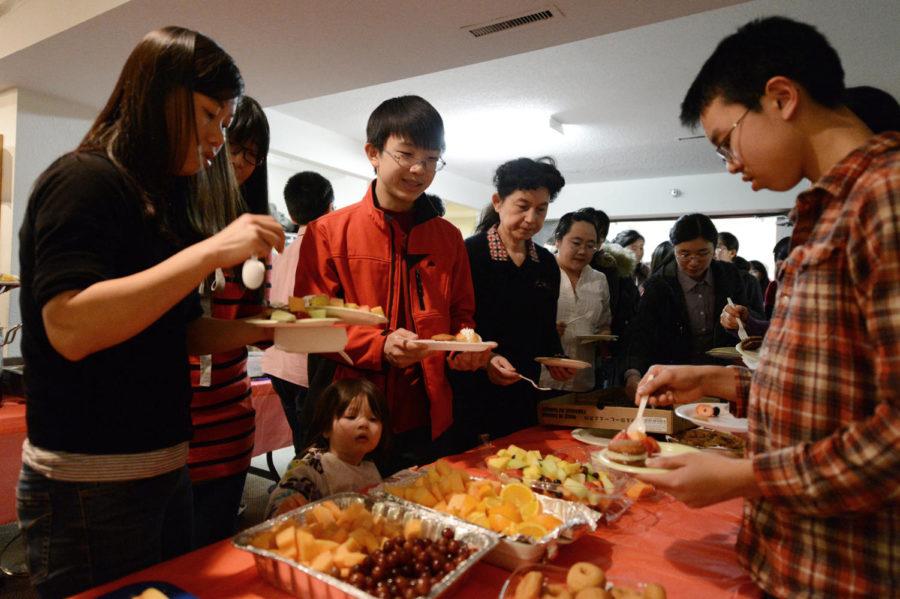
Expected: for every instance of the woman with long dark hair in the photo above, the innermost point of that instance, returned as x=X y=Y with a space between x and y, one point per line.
x=222 y=411
x=111 y=314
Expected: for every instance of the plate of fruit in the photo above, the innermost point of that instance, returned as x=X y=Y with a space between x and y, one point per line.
x=629 y=452
x=571 y=480
x=512 y=509
x=320 y=306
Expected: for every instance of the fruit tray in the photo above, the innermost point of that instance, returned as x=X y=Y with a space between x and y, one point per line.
x=514 y=551
x=579 y=480
x=304 y=581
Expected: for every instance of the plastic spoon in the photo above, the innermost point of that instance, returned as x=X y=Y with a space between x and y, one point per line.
x=535 y=385
x=637 y=425
x=742 y=332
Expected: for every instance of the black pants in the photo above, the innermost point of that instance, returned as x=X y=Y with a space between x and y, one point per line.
x=293 y=397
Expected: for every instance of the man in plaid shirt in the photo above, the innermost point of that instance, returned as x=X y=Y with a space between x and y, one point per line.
x=822 y=475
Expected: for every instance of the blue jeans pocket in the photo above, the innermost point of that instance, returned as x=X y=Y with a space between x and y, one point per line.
x=35 y=516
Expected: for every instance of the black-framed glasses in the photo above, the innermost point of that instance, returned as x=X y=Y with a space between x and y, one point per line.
x=686 y=256
x=250 y=156
x=723 y=150
x=405 y=160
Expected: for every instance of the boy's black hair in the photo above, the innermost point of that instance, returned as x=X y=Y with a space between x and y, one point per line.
x=875 y=107
x=307 y=195
x=409 y=117
x=627 y=237
x=334 y=402
x=525 y=174
x=692 y=226
x=743 y=62
x=602 y=221
x=782 y=249
x=729 y=241
x=570 y=218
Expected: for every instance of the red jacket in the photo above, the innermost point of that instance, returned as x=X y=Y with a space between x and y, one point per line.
x=357 y=253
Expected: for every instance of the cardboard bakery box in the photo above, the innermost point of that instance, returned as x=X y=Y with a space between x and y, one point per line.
x=606 y=409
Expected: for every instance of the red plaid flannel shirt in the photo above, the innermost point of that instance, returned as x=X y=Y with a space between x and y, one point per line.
x=824 y=405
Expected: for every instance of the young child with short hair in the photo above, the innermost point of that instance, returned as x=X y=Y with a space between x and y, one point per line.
x=350 y=424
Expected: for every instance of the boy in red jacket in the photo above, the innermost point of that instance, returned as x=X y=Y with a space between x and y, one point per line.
x=393 y=249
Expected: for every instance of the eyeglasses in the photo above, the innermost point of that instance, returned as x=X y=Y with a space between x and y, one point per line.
x=723 y=150
x=250 y=156
x=589 y=246
x=406 y=160
x=687 y=256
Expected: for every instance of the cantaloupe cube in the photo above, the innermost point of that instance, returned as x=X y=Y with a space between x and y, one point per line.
x=443 y=467
x=284 y=538
x=264 y=540
x=424 y=497
x=323 y=562
x=412 y=529
x=321 y=514
x=306 y=545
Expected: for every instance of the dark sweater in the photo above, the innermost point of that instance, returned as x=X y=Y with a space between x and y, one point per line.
x=84 y=224
x=661 y=330
x=516 y=307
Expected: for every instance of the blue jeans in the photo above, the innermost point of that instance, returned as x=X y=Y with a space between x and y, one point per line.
x=79 y=535
x=216 y=505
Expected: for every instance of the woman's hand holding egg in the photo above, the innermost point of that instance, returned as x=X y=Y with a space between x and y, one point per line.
x=248 y=235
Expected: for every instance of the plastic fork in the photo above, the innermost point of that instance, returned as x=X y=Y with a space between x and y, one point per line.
x=742 y=332
x=637 y=425
x=535 y=385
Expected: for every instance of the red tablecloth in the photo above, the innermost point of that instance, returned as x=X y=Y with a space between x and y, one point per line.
x=272 y=432
x=690 y=552
x=12 y=434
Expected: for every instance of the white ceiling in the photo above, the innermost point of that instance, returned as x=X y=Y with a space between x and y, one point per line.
x=613 y=70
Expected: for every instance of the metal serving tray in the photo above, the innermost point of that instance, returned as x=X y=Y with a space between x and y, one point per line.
x=304 y=582
x=514 y=552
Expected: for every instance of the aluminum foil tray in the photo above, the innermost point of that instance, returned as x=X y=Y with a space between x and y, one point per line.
x=304 y=582
x=513 y=552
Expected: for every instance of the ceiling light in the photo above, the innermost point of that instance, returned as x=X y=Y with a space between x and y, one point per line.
x=556 y=125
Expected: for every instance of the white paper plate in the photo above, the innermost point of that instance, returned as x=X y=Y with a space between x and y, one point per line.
x=591 y=436
x=725 y=422
x=305 y=323
x=563 y=362
x=311 y=340
x=585 y=339
x=665 y=450
x=353 y=316
x=456 y=345
x=750 y=358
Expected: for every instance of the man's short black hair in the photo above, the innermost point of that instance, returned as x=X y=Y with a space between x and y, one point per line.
x=409 y=117
x=692 y=226
x=743 y=62
x=875 y=107
x=308 y=195
x=729 y=241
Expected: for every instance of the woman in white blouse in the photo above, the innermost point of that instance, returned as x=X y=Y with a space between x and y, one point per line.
x=583 y=307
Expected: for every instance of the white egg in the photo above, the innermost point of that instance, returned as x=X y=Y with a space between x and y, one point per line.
x=253 y=273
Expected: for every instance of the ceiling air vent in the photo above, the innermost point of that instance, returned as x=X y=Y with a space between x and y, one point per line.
x=481 y=30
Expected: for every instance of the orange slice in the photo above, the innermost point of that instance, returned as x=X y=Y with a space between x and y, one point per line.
x=531 y=529
x=516 y=494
